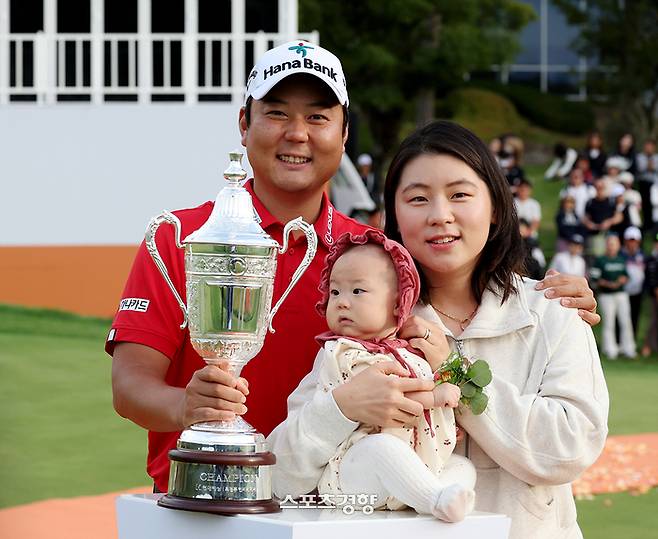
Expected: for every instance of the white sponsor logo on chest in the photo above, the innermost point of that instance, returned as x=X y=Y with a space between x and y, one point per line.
x=328 y=236
x=134 y=304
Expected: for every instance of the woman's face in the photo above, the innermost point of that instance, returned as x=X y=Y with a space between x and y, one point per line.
x=626 y=142
x=444 y=212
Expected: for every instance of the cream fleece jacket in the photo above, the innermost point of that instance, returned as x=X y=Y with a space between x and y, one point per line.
x=546 y=421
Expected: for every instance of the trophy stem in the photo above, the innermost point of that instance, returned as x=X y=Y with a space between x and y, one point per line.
x=234 y=368
x=236 y=425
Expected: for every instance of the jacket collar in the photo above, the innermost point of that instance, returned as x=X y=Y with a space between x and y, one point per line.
x=323 y=225
x=492 y=319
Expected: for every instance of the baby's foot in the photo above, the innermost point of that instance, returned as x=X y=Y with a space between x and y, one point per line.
x=454 y=503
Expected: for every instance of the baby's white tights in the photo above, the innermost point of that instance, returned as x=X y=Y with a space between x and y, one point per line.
x=384 y=465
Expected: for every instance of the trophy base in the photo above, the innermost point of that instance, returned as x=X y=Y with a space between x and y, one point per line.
x=215 y=469
x=220 y=507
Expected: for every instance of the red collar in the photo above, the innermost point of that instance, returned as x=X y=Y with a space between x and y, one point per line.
x=323 y=225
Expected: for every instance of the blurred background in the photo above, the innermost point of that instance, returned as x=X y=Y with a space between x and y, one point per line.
x=111 y=111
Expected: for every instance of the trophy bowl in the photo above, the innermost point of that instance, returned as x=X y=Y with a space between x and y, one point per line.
x=225 y=466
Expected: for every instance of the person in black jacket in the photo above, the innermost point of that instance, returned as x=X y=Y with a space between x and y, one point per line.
x=567 y=223
x=595 y=154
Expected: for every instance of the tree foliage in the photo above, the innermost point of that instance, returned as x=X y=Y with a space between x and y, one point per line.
x=622 y=36
x=397 y=52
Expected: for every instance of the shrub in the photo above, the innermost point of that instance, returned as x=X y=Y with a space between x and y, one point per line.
x=548 y=111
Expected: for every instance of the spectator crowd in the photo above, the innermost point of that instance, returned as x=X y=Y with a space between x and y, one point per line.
x=608 y=205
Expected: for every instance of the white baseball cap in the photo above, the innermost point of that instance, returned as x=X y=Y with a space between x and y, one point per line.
x=632 y=233
x=292 y=58
x=364 y=159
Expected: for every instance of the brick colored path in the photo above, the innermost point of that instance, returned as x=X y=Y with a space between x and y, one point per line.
x=628 y=463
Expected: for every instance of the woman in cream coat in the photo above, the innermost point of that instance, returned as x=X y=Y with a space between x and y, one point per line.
x=545 y=423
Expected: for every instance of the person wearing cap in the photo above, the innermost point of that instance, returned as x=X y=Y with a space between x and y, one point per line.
x=571 y=261
x=609 y=272
x=635 y=260
x=294 y=125
x=364 y=166
x=632 y=199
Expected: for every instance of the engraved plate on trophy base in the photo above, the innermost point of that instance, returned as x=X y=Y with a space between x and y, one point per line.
x=220 y=482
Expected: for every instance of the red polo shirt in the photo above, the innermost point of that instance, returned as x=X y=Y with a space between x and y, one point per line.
x=148 y=314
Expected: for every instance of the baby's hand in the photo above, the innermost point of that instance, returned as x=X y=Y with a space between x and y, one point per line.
x=446 y=394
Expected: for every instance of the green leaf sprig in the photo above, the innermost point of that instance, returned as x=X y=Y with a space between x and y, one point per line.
x=470 y=377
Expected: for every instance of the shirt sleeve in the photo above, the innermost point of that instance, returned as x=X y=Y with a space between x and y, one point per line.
x=308 y=438
x=551 y=436
x=148 y=313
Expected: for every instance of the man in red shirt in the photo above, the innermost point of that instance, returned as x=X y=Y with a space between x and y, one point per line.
x=294 y=127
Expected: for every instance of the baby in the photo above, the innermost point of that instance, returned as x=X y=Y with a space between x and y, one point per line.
x=369 y=287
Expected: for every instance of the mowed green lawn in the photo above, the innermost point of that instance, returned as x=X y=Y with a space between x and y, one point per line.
x=61 y=437
x=59 y=434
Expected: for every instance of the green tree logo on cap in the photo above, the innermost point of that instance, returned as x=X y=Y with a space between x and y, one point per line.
x=300 y=49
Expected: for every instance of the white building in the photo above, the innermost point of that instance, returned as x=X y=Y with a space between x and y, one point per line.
x=110 y=111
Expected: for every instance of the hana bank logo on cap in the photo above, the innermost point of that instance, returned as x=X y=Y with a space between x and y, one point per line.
x=292 y=58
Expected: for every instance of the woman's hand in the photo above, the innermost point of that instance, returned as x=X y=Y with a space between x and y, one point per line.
x=574 y=292
x=428 y=338
x=376 y=396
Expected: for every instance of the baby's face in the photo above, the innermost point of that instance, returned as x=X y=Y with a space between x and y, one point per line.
x=363 y=294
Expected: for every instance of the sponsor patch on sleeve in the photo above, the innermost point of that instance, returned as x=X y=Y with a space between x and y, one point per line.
x=134 y=304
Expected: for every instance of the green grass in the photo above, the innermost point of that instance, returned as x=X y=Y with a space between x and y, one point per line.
x=619 y=516
x=60 y=436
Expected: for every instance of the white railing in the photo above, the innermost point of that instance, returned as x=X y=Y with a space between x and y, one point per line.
x=46 y=68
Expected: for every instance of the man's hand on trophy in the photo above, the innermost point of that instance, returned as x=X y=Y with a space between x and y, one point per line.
x=213 y=394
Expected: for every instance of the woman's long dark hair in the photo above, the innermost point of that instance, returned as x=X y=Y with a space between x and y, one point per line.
x=504 y=253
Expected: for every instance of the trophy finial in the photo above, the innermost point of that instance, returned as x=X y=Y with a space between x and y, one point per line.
x=235 y=173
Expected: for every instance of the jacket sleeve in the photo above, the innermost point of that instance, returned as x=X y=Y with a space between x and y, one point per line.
x=308 y=438
x=550 y=436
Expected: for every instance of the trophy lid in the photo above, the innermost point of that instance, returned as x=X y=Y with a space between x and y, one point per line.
x=233 y=220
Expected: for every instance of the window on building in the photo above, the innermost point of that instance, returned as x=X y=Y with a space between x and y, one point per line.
x=262 y=15
x=530 y=39
x=214 y=16
x=25 y=16
x=120 y=16
x=73 y=16
x=168 y=16
x=564 y=83
x=526 y=78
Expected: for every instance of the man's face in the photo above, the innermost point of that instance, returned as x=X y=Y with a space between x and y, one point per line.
x=612 y=246
x=295 y=138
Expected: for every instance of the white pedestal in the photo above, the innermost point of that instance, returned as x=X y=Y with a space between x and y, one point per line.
x=138 y=517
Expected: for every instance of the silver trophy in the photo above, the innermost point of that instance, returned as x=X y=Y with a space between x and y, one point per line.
x=225 y=466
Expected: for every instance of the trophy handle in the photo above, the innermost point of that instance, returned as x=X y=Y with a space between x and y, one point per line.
x=149 y=237
x=311 y=248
